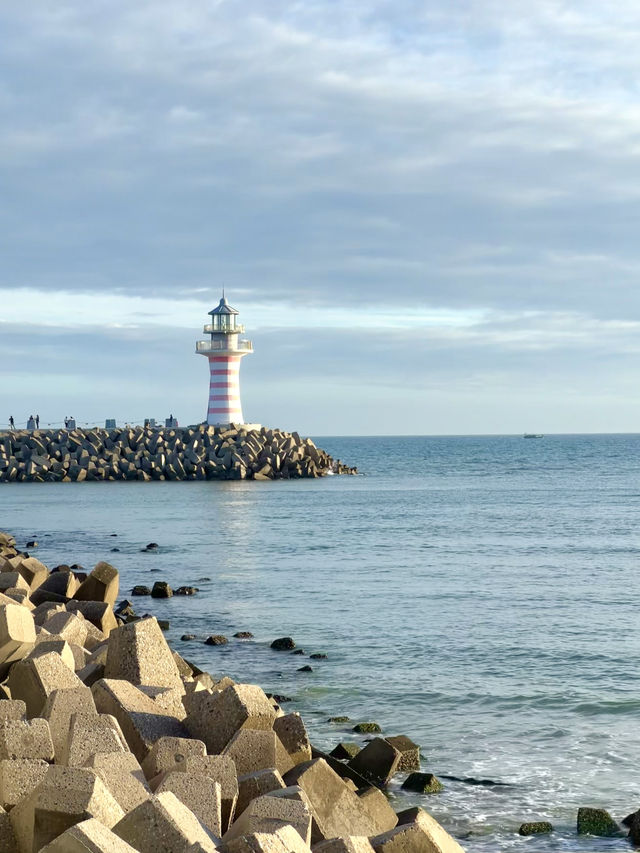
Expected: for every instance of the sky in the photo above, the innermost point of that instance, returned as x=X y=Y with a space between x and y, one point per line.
x=427 y=213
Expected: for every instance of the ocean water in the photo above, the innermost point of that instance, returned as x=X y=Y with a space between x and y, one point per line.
x=478 y=594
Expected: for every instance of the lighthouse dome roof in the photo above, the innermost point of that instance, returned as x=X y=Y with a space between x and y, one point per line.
x=223 y=308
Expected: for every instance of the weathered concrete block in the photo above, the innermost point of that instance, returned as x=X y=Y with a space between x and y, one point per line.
x=60 y=706
x=101 y=585
x=26 y=739
x=33 y=680
x=123 y=776
x=378 y=808
x=267 y=814
x=215 y=718
x=17 y=634
x=65 y=797
x=377 y=762
x=172 y=753
x=88 y=836
x=18 y=778
x=138 y=716
x=252 y=750
x=90 y=734
x=46 y=643
x=162 y=824
x=8 y=841
x=138 y=652
x=100 y=619
x=70 y=626
x=283 y=840
x=351 y=844
x=12 y=709
x=425 y=835
x=222 y=770
x=200 y=794
x=45 y=610
x=337 y=810
x=292 y=733
x=254 y=785
x=167 y=699
x=63 y=584
x=33 y=571
x=409 y=753
x=13 y=580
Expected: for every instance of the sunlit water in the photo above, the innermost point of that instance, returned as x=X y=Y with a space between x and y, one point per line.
x=477 y=594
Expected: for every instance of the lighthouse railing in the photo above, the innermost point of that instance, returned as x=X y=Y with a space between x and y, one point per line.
x=223 y=346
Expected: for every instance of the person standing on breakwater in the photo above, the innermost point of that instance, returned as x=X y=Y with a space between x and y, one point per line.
x=37 y=421
x=12 y=425
x=31 y=423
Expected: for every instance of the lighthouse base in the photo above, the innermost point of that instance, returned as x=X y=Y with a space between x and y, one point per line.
x=247 y=427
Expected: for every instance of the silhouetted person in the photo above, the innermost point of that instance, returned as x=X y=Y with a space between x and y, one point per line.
x=37 y=421
x=31 y=423
x=11 y=423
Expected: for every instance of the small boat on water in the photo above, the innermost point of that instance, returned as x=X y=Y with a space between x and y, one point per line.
x=533 y=435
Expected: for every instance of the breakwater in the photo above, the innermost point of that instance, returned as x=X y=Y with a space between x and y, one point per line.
x=143 y=453
x=111 y=741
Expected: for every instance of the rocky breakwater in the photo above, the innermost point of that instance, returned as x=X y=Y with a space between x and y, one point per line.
x=138 y=453
x=110 y=741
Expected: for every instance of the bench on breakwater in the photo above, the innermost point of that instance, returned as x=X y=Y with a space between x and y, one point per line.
x=144 y=453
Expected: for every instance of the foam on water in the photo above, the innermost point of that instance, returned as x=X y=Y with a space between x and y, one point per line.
x=477 y=594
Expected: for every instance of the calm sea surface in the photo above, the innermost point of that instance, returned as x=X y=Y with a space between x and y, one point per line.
x=477 y=594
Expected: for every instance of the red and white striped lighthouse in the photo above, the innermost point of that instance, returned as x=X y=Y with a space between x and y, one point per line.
x=224 y=351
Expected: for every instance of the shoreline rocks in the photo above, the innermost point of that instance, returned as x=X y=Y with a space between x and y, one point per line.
x=145 y=454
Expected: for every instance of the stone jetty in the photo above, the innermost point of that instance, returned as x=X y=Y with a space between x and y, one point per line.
x=112 y=742
x=142 y=453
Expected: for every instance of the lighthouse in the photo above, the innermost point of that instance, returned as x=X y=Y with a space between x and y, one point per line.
x=224 y=350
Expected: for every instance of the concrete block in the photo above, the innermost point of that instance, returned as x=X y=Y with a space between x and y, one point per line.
x=45 y=610
x=291 y=730
x=138 y=716
x=26 y=739
x=409 y=753
x=222 y=770
x=8 y=842
x=63 y=584
x=167 y=699
x=33 y=680
x=425 y=835
x=172 y=753
x=18 y=778
x=89 y=734
x=200 y=794
x=71 y=626
x=252 y=750
x=283 y=840
x=123 y=776
x=337 y=810
x=60 y=706
x=216 y=717
x=139 y=653
x=98 y=614
x=162 y=824
x=33 y=571
x=377 y=761
x=378 y=808
x=254 y=785
x=88 y=836
x=267 y=813
x=351 y=844
x=102 y=584
x=13 y=580
x=12 y=709
x=17 y=634
x=66 y=796
x=46 y=643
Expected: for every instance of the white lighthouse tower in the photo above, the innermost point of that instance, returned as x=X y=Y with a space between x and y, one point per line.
x=224 y=351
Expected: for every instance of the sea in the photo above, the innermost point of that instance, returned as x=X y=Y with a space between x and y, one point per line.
x=477 y=594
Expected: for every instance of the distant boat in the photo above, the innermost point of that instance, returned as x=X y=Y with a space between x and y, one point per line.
x=533 y=435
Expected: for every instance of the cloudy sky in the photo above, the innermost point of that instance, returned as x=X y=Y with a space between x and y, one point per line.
x=426 y=212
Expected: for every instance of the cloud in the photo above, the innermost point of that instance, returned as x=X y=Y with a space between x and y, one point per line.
x=347 y=166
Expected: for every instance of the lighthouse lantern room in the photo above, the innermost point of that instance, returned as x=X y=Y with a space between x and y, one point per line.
x=224 y=351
